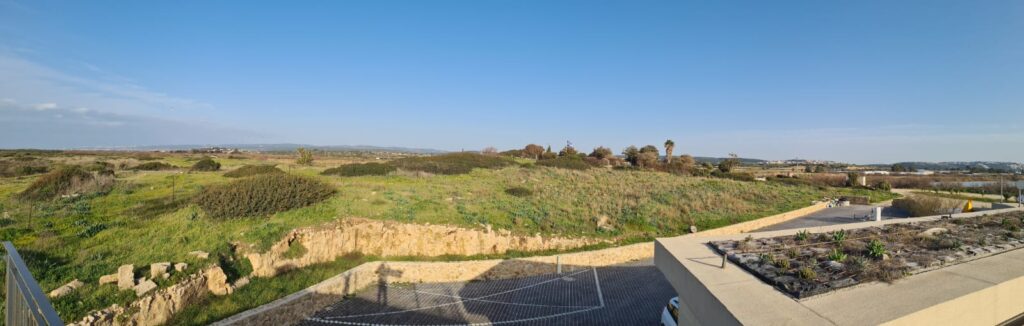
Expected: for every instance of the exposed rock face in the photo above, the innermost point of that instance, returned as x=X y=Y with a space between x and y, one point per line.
x=386 y=238
x=66 y=289
x=126 y=277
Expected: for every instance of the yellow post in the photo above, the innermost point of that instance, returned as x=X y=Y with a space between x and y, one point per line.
x=970 y=206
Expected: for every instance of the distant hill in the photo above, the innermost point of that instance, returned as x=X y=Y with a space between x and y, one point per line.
x=973 y=165
x=716 y=160
x=287 y=148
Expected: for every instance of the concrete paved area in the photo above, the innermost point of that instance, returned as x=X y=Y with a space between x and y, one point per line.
x=837 y=215
x=613 y=295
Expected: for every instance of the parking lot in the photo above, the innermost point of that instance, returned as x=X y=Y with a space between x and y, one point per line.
x=614 y=295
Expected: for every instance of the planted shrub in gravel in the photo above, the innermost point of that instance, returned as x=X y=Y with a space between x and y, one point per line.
x=251 y=170
x=261 y=195
x=153 y=166
x=360 y=169
x=455 y=163
x=844 y=258
x=206 y=164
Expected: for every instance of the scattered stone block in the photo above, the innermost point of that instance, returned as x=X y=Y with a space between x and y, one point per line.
x=66 y=289
x=108 y=279
x=217 y=281
x=144 y=287
x=931 y=233
x=126 y=277
x=199 y=254
x=158 y=269
x=180 y=267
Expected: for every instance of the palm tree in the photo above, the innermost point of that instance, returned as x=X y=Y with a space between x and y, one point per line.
x=669 y=146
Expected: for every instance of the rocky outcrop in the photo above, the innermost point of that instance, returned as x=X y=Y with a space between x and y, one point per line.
x=386 y=238
x=154 y=309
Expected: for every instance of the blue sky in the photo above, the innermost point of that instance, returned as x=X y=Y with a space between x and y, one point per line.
x=856 y=81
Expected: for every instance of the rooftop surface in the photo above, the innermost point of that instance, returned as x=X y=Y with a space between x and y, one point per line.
x=982 y=291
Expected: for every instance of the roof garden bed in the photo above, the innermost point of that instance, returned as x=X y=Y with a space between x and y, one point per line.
x=807 y=264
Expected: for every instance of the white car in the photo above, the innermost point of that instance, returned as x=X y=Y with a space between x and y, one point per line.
x=670 y=315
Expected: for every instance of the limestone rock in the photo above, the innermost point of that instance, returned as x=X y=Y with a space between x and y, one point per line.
x=126 y=277
x=199 y=254
x=144 y=287
x=180 y=267
x=240 y=282
x=106 y=279
x=386 y=238
x=158 y=269
x=217 y=281
x=66 y=289
x=931 y=233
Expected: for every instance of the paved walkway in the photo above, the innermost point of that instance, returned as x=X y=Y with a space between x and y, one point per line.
x=837 y=215
x=613 y=295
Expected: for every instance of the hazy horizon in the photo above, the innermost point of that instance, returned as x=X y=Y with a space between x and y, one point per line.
x=863 y=82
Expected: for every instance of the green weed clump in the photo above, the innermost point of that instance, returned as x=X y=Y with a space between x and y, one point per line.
x=519 y=191
x=261 y=195
x=64 y=181
x=455 y=163
x=206 y=164
x=153 y=166
x=251 y=170
x=565 y=163
x=360 y=169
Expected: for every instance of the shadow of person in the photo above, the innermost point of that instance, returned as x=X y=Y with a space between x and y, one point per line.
x=383 y=272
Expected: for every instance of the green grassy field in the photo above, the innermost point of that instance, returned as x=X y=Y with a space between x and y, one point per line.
x=147 y=217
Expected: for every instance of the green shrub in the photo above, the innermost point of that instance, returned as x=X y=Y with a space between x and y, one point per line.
x=21 y=168
x=782 y=263
x=923 y=205
x=153 y=166
x=808 y=273
x=261 y=195
x=740 y=176
x=360 y=169
x=565 y=162
x=876 y=248
x=251 y=170
x=63 y=181
x=519 y=191
x=455 y=163
x=206 y=164
x=802 y=235
x=838 y=237
x=836 y=255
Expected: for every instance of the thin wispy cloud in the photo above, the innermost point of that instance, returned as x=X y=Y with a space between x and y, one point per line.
x=34 y=82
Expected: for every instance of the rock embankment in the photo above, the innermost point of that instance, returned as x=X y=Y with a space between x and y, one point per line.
x=389 y=239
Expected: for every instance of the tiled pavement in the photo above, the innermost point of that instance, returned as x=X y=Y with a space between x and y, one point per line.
x=614 y=295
